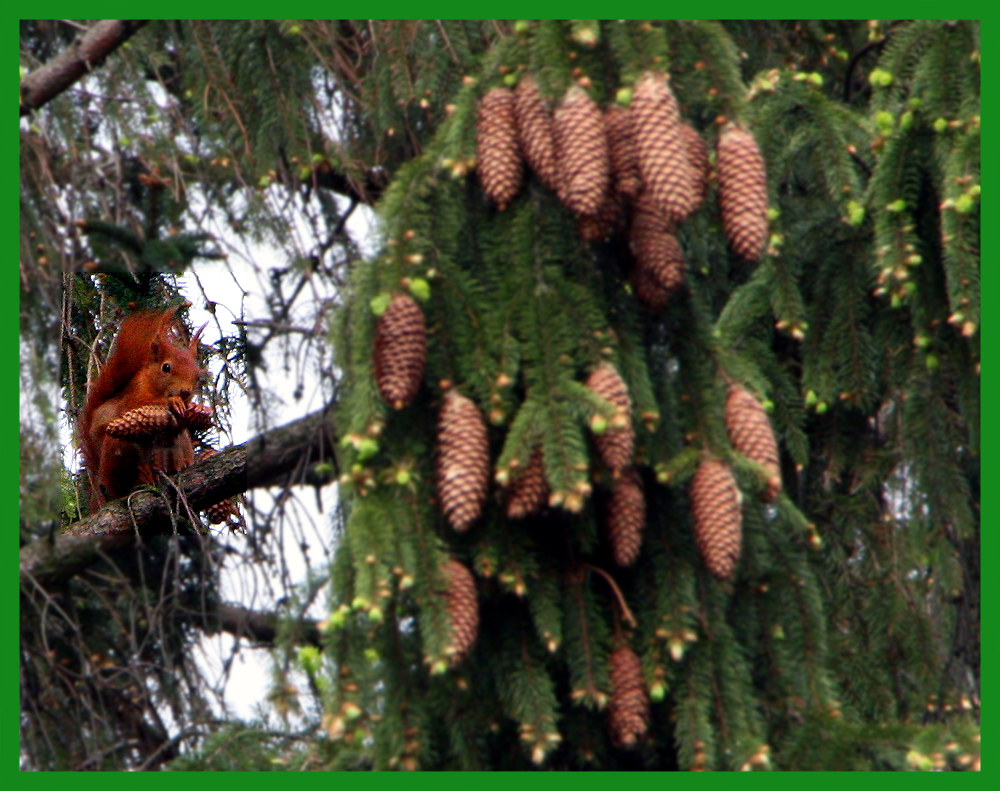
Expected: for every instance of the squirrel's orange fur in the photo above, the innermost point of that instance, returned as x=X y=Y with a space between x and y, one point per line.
x=151 y=363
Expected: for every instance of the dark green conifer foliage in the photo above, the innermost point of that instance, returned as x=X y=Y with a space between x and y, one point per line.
x=867 y=264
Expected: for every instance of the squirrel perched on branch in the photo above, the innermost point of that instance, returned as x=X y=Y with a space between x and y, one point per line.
x=138 y=416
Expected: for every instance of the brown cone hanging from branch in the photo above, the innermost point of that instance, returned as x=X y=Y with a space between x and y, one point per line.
x=462 y=605
x=463 y=461
x=626 y=518
x=698 y=158
x=751 y=434
x=648 y=290
x=498 y=155
x=661 y=146
x=400 y=351
x=628 y=706
x=581 y=153
x=616 y=443
x=718 y=521
x=624 y=158
x=530 y=490
x=742 y=192
x=534 y=131
x=656 y=250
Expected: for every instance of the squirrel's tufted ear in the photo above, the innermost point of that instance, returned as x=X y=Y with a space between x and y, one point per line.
x=197 y=336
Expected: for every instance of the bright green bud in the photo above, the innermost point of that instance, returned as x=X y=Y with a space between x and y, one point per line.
x=323 y=469
x=440 y=667
x=885 y=122
x=856 y=213
x=815 y=78
x=375 y=615
x=932 y=362
x=940 y=125
x=310 y=659
x=974 y=191
x=598 y=424
x=906 y=121
x=305 y=172
x=367 y=448
x=351 y=711
x=380 y=303
x=522 y=26
x=403 y=477
x=896 y=206
x=124 y=142
x=657 y=692
x=371 y=655
x=963 y=204
x=881 y=78
x=821 y=408
x=895 y=301
x=317 y=158
x=624 y=97
x=909 y=288
x=768 y=405
x=337 y=620
x=811 y=398
x=773 y=214
x=510 y=80
x=420 y=288
x=922 y=341
x=360 y=603
x=915 y=103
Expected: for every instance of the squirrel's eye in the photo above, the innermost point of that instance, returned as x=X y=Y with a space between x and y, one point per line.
x=166 y=368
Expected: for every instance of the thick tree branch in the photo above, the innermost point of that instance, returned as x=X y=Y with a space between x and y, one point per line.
x=262 y=627
x=81 y=57
x=284 y=456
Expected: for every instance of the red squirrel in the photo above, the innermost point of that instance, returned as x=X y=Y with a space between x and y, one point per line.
x=138 y=412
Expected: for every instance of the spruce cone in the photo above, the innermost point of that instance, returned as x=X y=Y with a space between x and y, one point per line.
x=463 y=461
x=534 y=131
x=626 y=518
x=530 y=490
x=718 y=521
x=621 y=147
x=661 y=147
x=742 y=192
x=648 y=290
x=698 y=159
x=616 y=444
x=581 y=153
x=142 y=423
x=463 y=610
x=656 y=250
x=220 y=512
x=751 y=434
x=400 y=351
x=497 y=152
x=628 y=707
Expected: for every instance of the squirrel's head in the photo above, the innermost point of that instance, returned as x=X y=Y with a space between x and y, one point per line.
x=173 y=362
